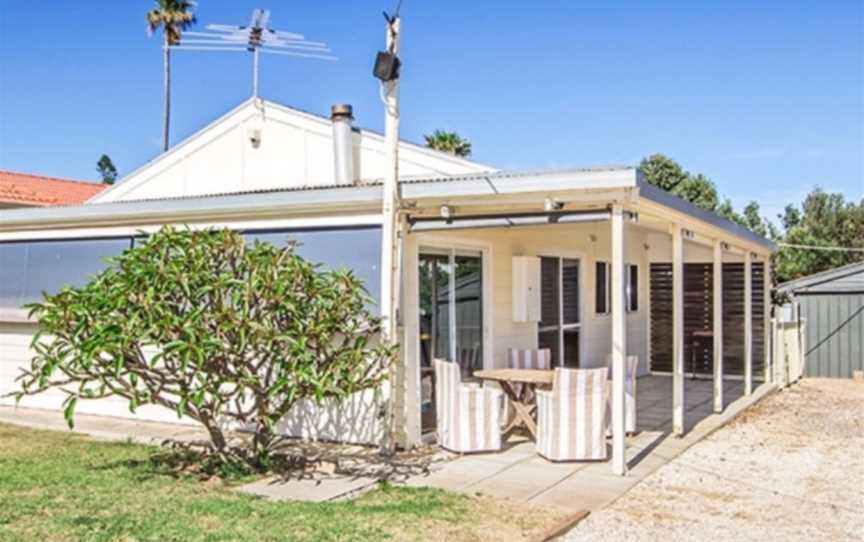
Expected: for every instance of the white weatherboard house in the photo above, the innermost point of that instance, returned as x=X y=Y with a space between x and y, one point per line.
x=584 y=261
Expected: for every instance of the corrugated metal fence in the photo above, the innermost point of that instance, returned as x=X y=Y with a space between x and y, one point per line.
x=834 y=333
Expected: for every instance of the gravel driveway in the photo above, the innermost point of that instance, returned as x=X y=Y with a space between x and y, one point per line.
x=790 y=468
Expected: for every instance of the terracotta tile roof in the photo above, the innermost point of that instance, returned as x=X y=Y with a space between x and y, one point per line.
x=39 y=191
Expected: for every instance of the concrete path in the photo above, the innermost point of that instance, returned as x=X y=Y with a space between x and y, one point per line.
x=519 y=474
x=102 y=427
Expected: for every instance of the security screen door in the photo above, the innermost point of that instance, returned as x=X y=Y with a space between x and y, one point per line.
x=560 y=325
x=451 y=317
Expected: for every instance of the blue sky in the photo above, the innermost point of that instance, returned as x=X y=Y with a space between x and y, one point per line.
x=766 y=98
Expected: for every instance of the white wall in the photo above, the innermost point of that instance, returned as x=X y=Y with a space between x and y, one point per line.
x=557 y=240
x=358 y=419
x=295 y=150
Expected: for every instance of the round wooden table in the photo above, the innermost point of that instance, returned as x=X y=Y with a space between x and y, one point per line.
x=523 y=401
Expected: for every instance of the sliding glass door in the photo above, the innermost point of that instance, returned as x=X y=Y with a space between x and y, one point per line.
x=451 y=317
x=560 y=316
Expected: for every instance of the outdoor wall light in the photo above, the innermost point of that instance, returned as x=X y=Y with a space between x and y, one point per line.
x=724 y=245
x=632 y=216
x=447 y=212
x=688 y=234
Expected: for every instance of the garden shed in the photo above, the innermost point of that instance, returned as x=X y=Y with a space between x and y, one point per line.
x=831 y=306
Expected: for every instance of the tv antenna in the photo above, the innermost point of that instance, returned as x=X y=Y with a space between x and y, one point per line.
x=256 y=37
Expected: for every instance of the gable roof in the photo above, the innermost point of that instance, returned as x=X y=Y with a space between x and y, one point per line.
x=26 y=189
x=258 y=106
x=843 y=277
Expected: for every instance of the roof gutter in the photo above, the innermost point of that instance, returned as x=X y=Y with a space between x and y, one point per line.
x=258 y=205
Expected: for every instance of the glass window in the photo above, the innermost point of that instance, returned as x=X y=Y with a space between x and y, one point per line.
x=550 y=302
x=602 y=290
x=357 y=249
x=632 y=288
x=468 y=299
x=29 y=268
x=560 y=326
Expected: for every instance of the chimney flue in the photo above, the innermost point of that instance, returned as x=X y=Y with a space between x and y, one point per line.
x=343 y=147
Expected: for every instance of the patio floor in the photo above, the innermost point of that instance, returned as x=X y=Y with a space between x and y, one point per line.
x=519 y=474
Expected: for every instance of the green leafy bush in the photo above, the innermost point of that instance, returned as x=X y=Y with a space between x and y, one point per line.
x=227 y=333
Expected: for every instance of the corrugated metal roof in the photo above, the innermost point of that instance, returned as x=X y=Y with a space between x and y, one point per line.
x=369 y=192
x=412 y=179
x=837 y=275
x=658 y=195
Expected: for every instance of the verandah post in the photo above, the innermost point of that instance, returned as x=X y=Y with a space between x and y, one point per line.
x=677 y=331
x=748 y=323
x=718 y=326
x=619 y=342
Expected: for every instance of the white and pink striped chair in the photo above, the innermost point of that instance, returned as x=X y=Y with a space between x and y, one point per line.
x=469 y=416
x=631 y=367
x=518 y=358
x=529 y=359
x=571 y=418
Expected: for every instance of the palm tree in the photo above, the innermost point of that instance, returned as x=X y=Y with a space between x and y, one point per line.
x=449 y=142
x=173 y=17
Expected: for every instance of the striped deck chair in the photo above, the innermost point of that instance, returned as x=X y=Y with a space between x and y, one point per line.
x=518 y=358
x=571 y=418
x=529 y=359
x=469 y=416
x=631 y=367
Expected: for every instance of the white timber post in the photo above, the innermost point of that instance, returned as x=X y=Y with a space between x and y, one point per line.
x=677 y=331
x=718 y=326
x=748 y=324
x=619 y=343
x=389 y=234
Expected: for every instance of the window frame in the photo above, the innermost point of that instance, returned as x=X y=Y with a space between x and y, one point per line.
x=561 y=327
x=443 y=244
x=631 y=295
x=607 y=288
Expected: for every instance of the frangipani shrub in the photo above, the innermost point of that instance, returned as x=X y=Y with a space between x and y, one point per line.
x=227 y=333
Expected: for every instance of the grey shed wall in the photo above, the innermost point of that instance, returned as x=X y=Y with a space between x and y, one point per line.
x=835 y=326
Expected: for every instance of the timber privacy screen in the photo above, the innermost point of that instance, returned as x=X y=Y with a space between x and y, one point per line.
x=699 y=318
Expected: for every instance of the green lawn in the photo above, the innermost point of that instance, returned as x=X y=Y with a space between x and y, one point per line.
x=62 y=486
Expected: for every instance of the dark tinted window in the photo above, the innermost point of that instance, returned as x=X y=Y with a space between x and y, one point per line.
x=600 y=288
x=28 y=268
x=355 y=249
x=632 y=288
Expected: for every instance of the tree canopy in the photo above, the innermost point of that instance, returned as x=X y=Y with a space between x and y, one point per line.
x=449 y=142
x=106 y=169
x=822 y=220
x=825 y=220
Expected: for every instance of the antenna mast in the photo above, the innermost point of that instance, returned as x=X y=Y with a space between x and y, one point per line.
x=257 y=37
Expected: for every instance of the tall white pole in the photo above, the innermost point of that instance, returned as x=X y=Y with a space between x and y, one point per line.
x=748 y=323
x=389 y=237
x=619 y=343
x=677 y=331
x=718 y=326
x=255 y=73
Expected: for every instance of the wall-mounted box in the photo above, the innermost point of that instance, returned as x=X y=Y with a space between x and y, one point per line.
x=526 y=289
